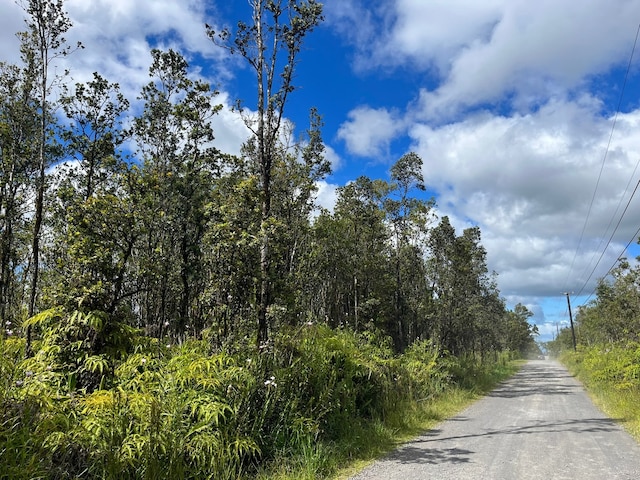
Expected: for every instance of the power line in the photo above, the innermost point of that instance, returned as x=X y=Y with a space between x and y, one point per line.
x=604 y=158
x=635 y=236
x=610 y=238
x=595 y=252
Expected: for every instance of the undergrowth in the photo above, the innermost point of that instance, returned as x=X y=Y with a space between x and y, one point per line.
x=611 y=374
x=302 y=406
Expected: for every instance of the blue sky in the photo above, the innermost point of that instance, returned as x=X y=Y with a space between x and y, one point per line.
x=510 y=104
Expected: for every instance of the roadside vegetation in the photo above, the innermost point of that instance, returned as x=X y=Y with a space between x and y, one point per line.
x=607 y=359
x=169 y=310
x=313 y=401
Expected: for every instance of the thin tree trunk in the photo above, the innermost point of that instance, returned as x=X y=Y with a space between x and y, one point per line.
x=39 y=206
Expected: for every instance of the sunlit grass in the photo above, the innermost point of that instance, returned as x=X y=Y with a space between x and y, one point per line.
x=602 y=372
x=368 y=441
x=621 y=405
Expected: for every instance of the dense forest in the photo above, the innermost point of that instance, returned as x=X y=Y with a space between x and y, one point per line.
x=160 y=298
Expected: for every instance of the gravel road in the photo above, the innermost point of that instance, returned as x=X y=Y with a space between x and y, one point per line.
x=540 y=424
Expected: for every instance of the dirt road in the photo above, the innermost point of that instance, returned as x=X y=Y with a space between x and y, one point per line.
x=538 y=425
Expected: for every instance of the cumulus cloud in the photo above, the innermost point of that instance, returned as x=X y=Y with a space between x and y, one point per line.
x=332 y=157
x=369 y=131
x=118 y=36
x=326 y=195
x=528 y=181
x=478 y=52
x=11 y=20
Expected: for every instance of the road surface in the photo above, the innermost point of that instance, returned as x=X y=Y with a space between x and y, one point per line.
x=540 y=424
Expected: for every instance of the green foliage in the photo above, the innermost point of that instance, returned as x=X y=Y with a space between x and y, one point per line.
x=159 y=271
x=611 y=373
x=614 y=315
x=519 y=333
x=82 y=345
x=614 y=365
x=186 y=412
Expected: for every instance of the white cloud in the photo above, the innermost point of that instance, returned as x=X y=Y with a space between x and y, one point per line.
x=118 y=36
x=477 y=52
x=369 y=131
x=528 y=181
x=327 y=195
x=333 y=157
x=229 y=128
x=11 y=20
x=536 y=49
x=431 y=33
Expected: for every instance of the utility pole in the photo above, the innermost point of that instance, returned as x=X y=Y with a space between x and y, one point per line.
x=573 y=333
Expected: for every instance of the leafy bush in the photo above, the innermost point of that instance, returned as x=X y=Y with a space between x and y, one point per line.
x=611 y=373
x=185 y=411
x=610 y=364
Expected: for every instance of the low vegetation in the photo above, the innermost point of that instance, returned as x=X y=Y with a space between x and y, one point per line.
x=607 y=359
x=309 y=402
x=611 y=374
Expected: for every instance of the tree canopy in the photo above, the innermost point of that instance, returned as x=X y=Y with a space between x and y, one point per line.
x=179 y=239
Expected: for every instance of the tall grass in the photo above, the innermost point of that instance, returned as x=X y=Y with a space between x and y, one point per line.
x=611 y=374
x=300 y=407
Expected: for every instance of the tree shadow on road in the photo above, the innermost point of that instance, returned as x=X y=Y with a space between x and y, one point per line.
x=582 y=425
x=411 y=454
x=537 y=380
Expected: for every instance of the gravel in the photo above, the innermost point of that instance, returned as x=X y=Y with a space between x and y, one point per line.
x=540 y=424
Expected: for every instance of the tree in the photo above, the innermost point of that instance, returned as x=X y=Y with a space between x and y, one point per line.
x=41 y=45
x=441 y=275
x=614 y=315
x=174 y=136
x=296 y=171
x=358 y=275
x=96 y=111
x=462 y=291
x=18 y=146
x=409 y=217
x=271 y=44
x=519 y=333
x=87 y=217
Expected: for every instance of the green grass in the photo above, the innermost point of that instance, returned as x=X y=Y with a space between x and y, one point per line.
x=316 y=404
x=621 y=405
x=610 y=376
x=367 y=441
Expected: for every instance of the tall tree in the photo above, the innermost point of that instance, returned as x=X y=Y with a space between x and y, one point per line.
x=519 y=333
x=614 y=315
x=362 y=279
x=459 y=284
x=41 y=44
x=18 y=146
x=174 y=136
x=296 y=172
x=271 y=44
x=93 y=222
x=409 y=218
x=95 y=110
x=441 y=274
